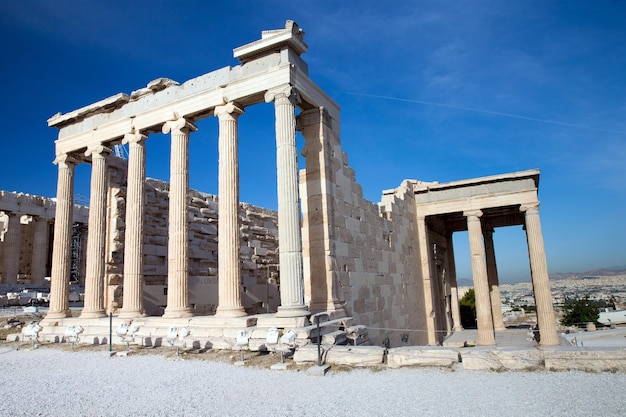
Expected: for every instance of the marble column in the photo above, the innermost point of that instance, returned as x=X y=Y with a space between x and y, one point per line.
x=454 y=289
x=486 y=335
x=546 y=319
x=178 y=229
x=289 y=233
x=40 y=251
x=229 y=269
x=132 y=301
x=494 y=284
x=428 y=286
x=12 y=246
x=96 y=239
x=62 y=245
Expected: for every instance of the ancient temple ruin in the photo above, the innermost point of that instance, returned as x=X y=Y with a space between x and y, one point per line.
x=386 y=266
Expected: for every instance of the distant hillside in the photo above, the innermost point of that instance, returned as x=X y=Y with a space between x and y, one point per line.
x=556 y=276
x=604 y=272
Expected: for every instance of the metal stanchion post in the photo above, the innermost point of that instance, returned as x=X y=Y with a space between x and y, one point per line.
x=110 y=331
x=319 y=342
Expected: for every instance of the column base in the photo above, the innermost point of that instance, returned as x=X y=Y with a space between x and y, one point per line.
x=131 y=314
x=58 y=314
x=486 y=340
x=293 y=311
x=95 y=314
x=548 y=338
x=230 y=312
x=177 y=313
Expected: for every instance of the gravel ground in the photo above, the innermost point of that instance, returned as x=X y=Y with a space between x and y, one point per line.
x=54 y=382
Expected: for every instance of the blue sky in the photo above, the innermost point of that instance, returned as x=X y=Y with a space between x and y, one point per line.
x=429 y=90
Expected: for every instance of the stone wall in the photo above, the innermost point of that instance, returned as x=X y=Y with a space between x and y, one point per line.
x=368 y=253
x=258 y=238
x=31 y=210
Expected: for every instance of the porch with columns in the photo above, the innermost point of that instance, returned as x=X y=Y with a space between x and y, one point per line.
x=478 y=206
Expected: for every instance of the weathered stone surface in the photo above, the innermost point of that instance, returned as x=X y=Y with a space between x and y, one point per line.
x=421 y=356
x=336 y=337
x=342 y=355
x=577 y=359
x=499 y=359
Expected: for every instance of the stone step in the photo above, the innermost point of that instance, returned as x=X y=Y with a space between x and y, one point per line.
x=421 y=356
x=205 y=331
x=342 y=355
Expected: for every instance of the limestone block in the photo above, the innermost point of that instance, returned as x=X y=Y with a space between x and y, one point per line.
x=150 y=249
x=498 y=359
x=248 y=265
x=308 y=354
x=421 y=356
x=334 y=338
x=579 y=359
x=355 y=355
x=152 y=260
x=259 y=251
x=156 y=240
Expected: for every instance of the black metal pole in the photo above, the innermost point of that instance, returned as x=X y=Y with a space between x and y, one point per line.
x=319 y=342
x=267 y=291
x=110 y=331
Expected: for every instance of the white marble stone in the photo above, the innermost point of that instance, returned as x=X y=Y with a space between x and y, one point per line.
x=421 y=356
x=502 y=359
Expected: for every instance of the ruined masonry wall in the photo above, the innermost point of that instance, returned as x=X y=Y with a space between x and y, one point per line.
x=373 y=248
x=258 y=238
x=379 y=269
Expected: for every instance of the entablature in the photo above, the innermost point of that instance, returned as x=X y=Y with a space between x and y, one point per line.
x=145 y=110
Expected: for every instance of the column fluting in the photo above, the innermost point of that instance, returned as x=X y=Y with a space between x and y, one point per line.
x=132 y=301
x=229 y=269
x=178 y=229
x=484 y=319
x=454 y=289
x=289 y=233
x=96 y=240
x=546 y=319
x=62 y=245
x=494 y=282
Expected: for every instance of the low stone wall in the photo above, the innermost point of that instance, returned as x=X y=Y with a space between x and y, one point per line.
x=486 y=359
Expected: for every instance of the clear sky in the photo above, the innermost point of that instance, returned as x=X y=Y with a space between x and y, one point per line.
x=430 y=90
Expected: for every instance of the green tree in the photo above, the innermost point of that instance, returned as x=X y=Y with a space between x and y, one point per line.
x=578 y=311
x=467 y=307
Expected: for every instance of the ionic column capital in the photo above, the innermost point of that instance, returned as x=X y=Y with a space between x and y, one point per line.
x=228 y=110
x=65 y=160
x=473 y=213
x=178 y=125
x=530 y=207
x=282 y=94
x=131 y=138
x=98 y=151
